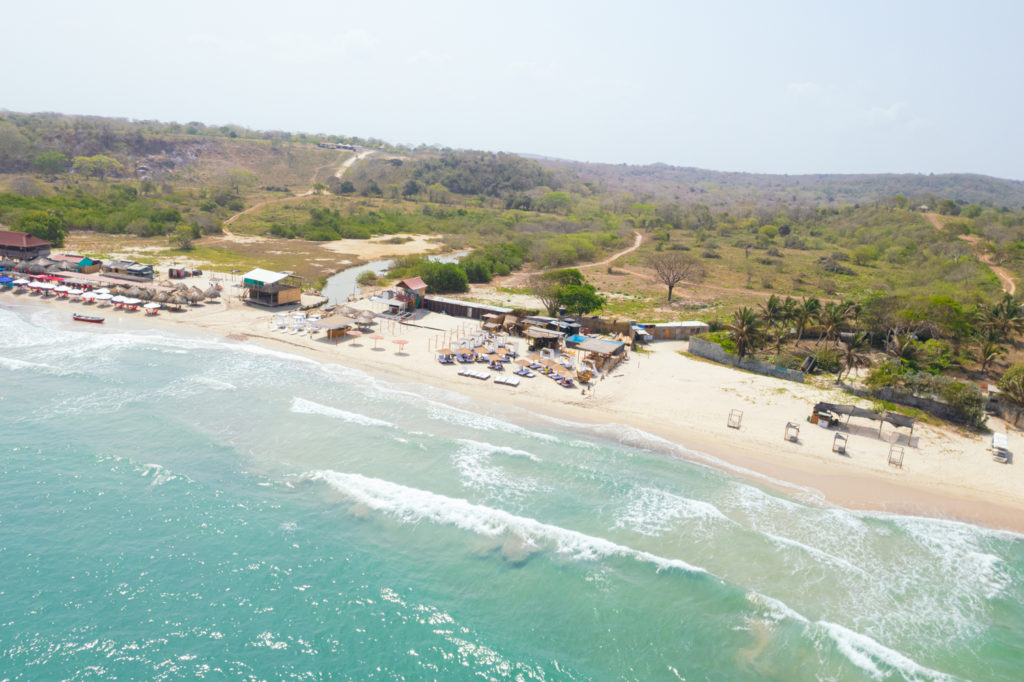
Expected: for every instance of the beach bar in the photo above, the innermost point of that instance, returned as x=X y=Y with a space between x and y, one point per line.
x=269 y=288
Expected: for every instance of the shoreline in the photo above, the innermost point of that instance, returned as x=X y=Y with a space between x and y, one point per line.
x=948 y=475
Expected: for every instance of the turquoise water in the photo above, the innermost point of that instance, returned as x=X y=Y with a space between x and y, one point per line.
x=177 y=507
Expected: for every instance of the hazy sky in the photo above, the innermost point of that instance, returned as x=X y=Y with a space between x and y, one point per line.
x=783 y=87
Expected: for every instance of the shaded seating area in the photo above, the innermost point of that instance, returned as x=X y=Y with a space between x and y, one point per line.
x=828 y=410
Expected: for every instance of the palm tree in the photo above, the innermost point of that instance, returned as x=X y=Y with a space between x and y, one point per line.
x=1004 y=318
x=901 y=345
x=833 y=318
x=989 y=350
x=856 y=355
x=745 y=331
x=771 y=315
x=806 y=311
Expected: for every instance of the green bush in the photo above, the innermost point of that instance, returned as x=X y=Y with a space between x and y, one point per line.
x=829 y=360
x=722 y=338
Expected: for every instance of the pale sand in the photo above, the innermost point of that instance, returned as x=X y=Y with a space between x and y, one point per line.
x=947 y=473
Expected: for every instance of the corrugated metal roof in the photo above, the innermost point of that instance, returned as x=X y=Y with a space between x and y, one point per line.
x=264 y=276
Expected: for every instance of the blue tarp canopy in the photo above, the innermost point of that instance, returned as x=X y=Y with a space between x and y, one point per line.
x=577 y=338
x=5 y=280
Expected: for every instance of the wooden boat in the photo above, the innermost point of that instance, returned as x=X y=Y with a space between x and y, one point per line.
x=87 y=318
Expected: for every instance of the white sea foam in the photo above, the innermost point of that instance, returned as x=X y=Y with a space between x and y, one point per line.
x=652 y=512
x=474 y=420
x=303 y=406
x=868 y=655
x=474 y=462
x=14 y=364
x=411 y=505
x=491 y=449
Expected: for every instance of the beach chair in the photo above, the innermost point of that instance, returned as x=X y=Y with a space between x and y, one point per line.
x=1000 y=448
x=896 y=456
x=735 y=419
x=792 y=433
x=839 y=443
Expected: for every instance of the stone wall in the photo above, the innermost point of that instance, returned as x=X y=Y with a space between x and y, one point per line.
x=714 y=352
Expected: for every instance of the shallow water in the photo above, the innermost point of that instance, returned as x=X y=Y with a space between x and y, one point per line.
x=180 y=506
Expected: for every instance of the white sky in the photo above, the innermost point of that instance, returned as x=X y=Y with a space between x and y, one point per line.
x=773 y=86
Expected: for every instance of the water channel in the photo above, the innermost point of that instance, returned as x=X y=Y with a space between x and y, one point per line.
x=343 y=284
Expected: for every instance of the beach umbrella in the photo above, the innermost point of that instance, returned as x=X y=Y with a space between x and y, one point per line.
x=212 y=292
x=178 y=299
x=365 y=317
x=103 y=298
x=444 y=351
x=494 y=357
x=146 y=294
x=133 y=292
x=89 y=296
x=118 y=290
x=354 y=334
x=7 y=264
x=165 y=283
x=193 y=296
x=349 y=311
x=376 y=338
x=152 y=306
x=62 y=289
x=103 y=291
x=523 y=362
x=117 y=299
x=20 y=282
x=75 y=292
x=181 y=286
x=400 y=343
x=161 y=297
x=130 y=301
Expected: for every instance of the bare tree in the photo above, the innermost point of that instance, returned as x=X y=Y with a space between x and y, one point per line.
x=673 y=267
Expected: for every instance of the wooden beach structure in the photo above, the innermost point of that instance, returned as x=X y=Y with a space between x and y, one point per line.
x=271 y=289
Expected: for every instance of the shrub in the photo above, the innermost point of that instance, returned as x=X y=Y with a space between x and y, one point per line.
x=967 y=401
x=829 y=360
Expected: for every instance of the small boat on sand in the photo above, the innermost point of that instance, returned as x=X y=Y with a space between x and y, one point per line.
x=87 y=318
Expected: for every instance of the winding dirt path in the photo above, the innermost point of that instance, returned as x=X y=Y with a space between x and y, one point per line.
x=345 y=165
x=519 y=278
x=1005 y=278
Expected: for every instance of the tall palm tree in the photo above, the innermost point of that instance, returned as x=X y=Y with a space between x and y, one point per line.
x=901 y=345
x=833 y=318
x=856 y=352
x=989 y=350
x=1005 y=318
x=745 y=331
x=771 y=315
x=806 y=311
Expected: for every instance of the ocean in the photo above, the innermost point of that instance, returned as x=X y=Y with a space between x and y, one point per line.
x=177 y=506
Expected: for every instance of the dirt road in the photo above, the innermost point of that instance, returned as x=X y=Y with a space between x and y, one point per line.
x=1005 y=278
x=345 y=165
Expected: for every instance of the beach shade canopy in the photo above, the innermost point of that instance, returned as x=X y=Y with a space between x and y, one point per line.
x=494 y=357
x=400 y=343
x=165 y=283
x=523 y=362
x=349 y=311
x=130 y=301
x=103 y=297
x=118 y=290
x=63 y=289
x=181 y=286
x=177 y=298
x=354 y=334
x=103 y=291
x=212 y=292
x=366 y=316
x=75 y=292
x=134 y=292
x=444 y=351
x=146 y=294
x=151 y=306
x=193 y=296
x=161 y=297
x=89 y=296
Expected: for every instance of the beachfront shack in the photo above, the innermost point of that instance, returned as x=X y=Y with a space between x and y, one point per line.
x=336 y=326
x=128 y=269
x=675 y=330
x=22 y=245
x=415 y=288
x=75 y=263
x=458 y=308
x=604 y=353
x=269 y=288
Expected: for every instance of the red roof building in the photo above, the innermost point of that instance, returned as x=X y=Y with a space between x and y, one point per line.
x=416 y=289
x=22 y=245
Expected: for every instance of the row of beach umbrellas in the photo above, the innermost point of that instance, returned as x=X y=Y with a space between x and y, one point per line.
x=181 y=295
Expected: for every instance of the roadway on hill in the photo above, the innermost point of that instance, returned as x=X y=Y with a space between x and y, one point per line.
x=345 y=165
x=1005 y=278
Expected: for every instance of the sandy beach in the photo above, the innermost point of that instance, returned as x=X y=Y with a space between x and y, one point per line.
x=946 y=472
